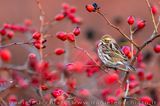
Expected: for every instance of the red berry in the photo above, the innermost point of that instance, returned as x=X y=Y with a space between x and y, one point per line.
x=132 y=77
x=44 y=87
x=32 y=56
x=129 y=55
x=90 y=8
x=140 y=73
x=126 y=50
x=71 y=37
x=76 y=31
x=5 y=55
x=149 y=76
x=12 y=98
x=59 y=17
x=111 y=100
x=84 y=92
x=70 y=16
x=72 y=83
x=142 y=65
x=10 y=34
x=32 y=102
x=36 y=35
x=146 y=100
x=61 y=35
x=59 y=51
x=70 y=67
x=65 y=6
x=37 y=44
x=28 y=22
x=56 y=93
x=140 y=24
x=24 y=103
x=72 y=9
x=157 y=48
x=130 y=20
x=105 y=92
x=140 y=57
x=110 y=79
x=133 y=84
x=3 y=32
x=32 y=60
x=154 y=9
x=119 y=92
x=7 y=25
x=77 y=20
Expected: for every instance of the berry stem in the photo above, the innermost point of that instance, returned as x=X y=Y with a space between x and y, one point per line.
x=131 y=37
x=152 y=16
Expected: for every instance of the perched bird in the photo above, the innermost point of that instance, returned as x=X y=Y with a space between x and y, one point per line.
x=111 y=55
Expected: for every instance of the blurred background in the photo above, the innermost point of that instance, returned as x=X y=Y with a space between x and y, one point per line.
x=93 y=26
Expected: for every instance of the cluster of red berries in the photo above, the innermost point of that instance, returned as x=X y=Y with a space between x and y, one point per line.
x=42 y=68
x=18 y=28
x=92 y=68
x=68 y=12
x=63 y=36
x=60 y=96
x=8 y=30
x=127 y=51
x=38 y=43
x=140 y=23
x=68 y=36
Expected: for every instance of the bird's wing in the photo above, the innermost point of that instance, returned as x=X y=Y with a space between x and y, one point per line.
x=116 y=52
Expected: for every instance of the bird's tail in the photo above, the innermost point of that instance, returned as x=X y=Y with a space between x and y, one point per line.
x=130 y=67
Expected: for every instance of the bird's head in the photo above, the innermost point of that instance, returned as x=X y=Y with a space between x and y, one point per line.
x=107 y=39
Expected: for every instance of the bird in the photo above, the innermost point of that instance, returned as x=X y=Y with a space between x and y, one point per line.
x=111 y=55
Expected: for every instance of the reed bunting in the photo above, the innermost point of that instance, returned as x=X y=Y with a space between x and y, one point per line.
x=111 y=55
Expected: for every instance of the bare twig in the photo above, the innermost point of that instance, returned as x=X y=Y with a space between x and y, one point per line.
x=118 y=29
x=152 y=16
x=131 y=37
x=3 y=101
x=126 y=93
x=16 y=43
x=40 y=7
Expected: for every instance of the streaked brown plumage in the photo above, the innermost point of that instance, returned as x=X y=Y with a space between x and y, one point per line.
x=110 y=53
